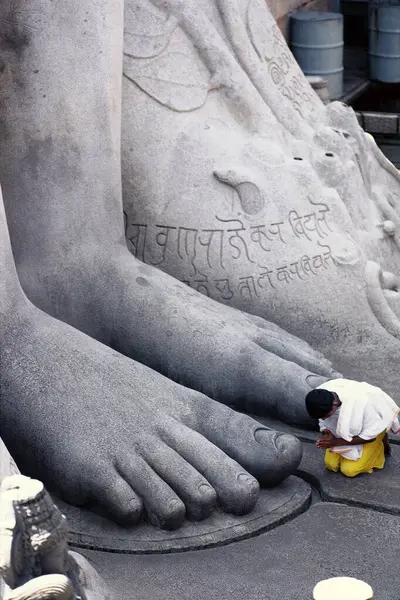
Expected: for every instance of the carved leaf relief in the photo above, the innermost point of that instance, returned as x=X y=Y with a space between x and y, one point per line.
x=175 y=80
x=146 y=34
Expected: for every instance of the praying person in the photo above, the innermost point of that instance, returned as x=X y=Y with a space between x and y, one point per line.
x=354 y=419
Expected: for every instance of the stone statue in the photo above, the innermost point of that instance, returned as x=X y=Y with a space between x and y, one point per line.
x=34 y=560
x=93 y=402
x=238 y=181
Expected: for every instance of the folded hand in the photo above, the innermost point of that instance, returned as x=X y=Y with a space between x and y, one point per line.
x=327 y=440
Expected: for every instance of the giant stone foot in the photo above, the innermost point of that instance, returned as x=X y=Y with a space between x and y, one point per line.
x=101 y=429
x=63 y=166
x=239 y=182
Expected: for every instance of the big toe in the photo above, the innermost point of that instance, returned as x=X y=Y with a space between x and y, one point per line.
x=287 y=451
x=267 y=455
x=237 y=490
x=291 y=405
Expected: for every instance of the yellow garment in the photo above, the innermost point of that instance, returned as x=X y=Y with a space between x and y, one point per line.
x=373 y=457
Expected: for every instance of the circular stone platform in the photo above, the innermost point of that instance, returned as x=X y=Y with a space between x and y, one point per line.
x=275 y=506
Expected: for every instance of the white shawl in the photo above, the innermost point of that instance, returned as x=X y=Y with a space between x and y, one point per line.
x=366 y=411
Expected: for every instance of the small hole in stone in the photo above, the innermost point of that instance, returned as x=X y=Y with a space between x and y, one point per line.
x=346 y=135
x=330 y=154
x=297 y=158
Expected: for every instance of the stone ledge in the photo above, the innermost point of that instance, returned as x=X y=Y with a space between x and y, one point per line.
x=378 y=490
x=275 y=507
x=374 y=122
x=328 y=540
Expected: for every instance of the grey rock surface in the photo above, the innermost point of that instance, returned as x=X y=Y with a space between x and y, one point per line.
x=86 y=420
x=327 y=541
x=306 y=435
x=163 y=449
x=378 y=490
x=57 y=426
x=252 y=191
x=274 y=507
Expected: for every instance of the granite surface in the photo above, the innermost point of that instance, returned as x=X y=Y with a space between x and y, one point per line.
x=275 y=506
x=378 y=491
x=327 y=541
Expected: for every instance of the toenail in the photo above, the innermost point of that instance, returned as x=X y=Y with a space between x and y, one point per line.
x=315 y=380
x=174 y=505
x=264 y=436
x=247 y=479
x=287 y=444
x=205 y=490
x=133 y=508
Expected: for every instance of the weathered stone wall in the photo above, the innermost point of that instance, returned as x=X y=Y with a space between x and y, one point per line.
x=281 y=9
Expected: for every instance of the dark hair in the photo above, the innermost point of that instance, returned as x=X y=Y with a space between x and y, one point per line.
x=319 y=403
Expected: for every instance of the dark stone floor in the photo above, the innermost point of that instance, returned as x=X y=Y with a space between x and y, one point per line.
x=351 y=529
x=285 y=564
x=275 y=507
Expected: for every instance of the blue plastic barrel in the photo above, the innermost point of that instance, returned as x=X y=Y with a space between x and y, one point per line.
x=317 y=45
x=384 y=43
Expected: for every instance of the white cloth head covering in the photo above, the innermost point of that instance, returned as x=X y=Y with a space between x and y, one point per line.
x=366 y=411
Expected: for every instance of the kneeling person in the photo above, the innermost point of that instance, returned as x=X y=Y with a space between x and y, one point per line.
x=354 y=419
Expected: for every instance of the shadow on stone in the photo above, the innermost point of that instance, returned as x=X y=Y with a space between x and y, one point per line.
x=275 y=506
x=378 y=490
x=329 y=540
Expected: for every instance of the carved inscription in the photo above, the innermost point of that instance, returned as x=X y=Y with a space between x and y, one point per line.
x=214 y=249
x=272 y=51
x=252 y=286
x=314 y=222
x=290 y=84
x=231 y=239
